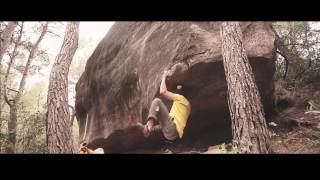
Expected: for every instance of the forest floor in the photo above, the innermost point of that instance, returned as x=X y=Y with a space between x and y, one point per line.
x=297 y=130
x=293 y=129
x=299 y=135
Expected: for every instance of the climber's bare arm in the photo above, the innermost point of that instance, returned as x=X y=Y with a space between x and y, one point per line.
x=163 y=88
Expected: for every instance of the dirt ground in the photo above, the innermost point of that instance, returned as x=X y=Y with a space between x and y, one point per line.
x=299 y=135
x=292 y=129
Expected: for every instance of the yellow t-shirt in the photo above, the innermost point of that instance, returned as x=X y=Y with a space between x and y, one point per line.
x=180 y=111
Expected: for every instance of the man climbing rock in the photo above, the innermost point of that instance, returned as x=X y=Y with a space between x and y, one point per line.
x=159 y=119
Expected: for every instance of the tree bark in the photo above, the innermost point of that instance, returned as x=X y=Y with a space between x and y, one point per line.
x=59 y=130
x=12 y=129
x=11 y=63
x=13 y=104
x=5 y=38
x=4 y=43
x=249 y=127
x=13 y=107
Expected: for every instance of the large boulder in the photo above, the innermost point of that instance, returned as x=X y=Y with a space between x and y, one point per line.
x=123 y=76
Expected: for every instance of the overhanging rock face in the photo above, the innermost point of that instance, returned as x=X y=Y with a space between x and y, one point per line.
x=123 y=76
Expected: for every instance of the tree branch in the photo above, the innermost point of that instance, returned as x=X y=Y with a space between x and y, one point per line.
x=54 y=34
x=286 y=64
x=11 y=63
x=12 y=89
x=303 y=71
x=30 y=58
x=5 y=39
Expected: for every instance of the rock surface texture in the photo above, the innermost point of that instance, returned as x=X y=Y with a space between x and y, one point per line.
x=123 y=76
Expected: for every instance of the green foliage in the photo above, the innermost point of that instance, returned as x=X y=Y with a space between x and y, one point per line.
x=32 y=134
x=77 y=67
x=3 y=133
x=302 y=40
x=2 y=74
x=2 y=26
x=31 y=110
x=86 y=46
x=31 y=130
x=35 y=98
x=31 y=125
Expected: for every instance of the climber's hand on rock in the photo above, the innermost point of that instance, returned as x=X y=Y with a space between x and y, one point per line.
x=166 y=73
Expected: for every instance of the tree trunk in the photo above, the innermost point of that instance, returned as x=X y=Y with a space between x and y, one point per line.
x=30 y=58
x=12 y=129
x=5 y=38
x=249 y=127
x=4 y=43
x=11 y=63
x=59 y=130
x=12 y=123
x=12 y=105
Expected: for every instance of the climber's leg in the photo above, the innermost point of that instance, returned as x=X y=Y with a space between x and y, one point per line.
x=158 y=112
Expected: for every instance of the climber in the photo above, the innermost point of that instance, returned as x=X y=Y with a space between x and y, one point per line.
x=85 y=150
x=159 y=119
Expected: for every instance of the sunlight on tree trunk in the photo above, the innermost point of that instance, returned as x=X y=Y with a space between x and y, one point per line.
x=59 y=129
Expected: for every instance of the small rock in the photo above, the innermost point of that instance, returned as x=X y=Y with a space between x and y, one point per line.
x=272 y=124
x=98 y=151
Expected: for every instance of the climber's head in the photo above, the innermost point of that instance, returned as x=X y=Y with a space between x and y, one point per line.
x=180 y=89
